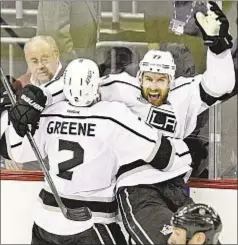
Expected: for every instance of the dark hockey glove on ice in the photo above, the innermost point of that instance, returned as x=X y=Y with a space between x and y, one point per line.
x=5 y=103
x=215 y=29
x=26 y=113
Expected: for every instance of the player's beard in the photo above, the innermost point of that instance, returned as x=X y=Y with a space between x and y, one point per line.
x=155 y=100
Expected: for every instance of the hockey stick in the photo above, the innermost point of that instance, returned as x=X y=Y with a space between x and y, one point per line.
x=2 y=162
x=78 y=214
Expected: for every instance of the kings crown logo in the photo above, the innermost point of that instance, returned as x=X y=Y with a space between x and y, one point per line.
x=167 y=229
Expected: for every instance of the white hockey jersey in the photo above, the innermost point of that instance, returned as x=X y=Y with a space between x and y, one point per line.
x=178 y=117
x=88 y=149
x=187 y=98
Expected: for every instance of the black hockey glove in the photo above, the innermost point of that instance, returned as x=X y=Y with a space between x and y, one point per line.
x=214 y=27
x=199 y=152
x=5 y=103
x=27 y=110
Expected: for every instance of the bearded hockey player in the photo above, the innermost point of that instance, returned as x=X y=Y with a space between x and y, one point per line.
x=148 y=203
x=178 y=103
x=85 y=142
x=195 y=224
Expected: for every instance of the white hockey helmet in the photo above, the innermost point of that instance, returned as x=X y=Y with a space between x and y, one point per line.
x=158 y=62
x=81 y=82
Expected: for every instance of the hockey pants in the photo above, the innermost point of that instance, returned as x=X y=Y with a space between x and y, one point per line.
x=146 y=210
x=99 y=234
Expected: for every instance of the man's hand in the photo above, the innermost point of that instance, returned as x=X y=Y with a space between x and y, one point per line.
x=26 y=112
x=215 y=28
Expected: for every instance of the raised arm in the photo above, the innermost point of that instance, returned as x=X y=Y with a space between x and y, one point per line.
x=219 y=77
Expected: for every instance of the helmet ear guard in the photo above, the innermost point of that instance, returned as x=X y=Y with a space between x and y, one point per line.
x=139 y=76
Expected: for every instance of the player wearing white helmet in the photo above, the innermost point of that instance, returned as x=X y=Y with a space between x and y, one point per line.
x=86 y=91
x=84 y=139
x=147 y=201
x=71 y=134
x=156 y=76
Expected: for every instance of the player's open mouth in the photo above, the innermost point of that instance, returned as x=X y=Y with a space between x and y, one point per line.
x=154 y=96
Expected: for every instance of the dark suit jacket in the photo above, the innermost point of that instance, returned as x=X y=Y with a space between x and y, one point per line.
x=73 y=24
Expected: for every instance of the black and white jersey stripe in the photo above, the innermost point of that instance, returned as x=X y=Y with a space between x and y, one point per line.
x=101 y=207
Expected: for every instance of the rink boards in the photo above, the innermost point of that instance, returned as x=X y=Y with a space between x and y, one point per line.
x=18 y=198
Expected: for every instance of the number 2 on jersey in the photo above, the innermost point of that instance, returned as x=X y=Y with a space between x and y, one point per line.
x=78 y=157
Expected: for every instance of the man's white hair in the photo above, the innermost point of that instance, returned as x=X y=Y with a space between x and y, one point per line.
x=47 y=39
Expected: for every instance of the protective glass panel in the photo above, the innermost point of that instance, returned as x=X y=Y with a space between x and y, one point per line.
x=227 y=113
x=117 y=35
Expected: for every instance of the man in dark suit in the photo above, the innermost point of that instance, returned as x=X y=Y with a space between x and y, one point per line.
x=73 y=24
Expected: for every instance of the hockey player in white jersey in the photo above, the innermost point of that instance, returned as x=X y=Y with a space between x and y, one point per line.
x=180 y=101
x=174 y=110
x=86 y=143
x=148 y=205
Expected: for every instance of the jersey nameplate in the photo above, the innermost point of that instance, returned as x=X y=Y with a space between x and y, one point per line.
x=71 y=128
x=162 y=119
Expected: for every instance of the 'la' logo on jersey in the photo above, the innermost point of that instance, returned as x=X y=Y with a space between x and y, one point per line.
x=162 y=119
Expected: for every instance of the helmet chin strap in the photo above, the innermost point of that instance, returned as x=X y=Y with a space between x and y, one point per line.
x=187 y=241
x=139 y=76
x=189 y=236
x=97 y=99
